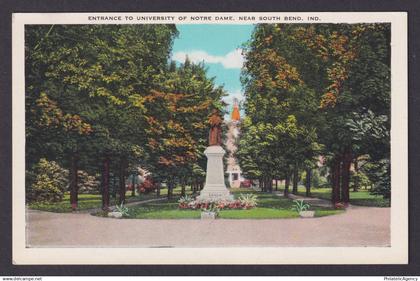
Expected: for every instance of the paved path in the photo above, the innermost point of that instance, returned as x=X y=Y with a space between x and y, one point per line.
x=310 y=200
x=358 y=226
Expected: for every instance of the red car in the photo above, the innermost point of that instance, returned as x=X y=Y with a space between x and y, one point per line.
x=246 y=183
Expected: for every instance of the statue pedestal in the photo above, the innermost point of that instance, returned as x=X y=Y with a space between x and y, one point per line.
x=215 y=188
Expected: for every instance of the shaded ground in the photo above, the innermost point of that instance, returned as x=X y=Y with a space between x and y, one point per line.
x=358 y=226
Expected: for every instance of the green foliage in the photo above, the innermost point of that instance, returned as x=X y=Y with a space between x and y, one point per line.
x=379 y=173
x=269 y=207
x=185 y=199
x=46 y=182
x=123 y=210
x=317 y=179
x=315 y=89
x=359 y=180
x=359 y=198
x=87 y=184
x=248 y=200
x=300 y=205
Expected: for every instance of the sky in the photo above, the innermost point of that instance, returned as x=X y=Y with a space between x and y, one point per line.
x=219 y=46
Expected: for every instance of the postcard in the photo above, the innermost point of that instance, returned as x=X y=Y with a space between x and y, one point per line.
x=210 y=138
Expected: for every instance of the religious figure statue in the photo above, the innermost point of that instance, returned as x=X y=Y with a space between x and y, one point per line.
x=215 y=135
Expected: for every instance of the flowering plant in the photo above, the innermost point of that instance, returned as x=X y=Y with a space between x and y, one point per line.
x=244 y=202
x=185 y=201
x=248 y=200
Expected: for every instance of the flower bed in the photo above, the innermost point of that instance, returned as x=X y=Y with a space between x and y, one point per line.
x=243 y=202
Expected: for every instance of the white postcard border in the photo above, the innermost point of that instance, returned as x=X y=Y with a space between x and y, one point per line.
x=396 y=254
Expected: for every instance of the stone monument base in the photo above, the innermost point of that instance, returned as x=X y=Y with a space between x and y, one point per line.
x=215 y=188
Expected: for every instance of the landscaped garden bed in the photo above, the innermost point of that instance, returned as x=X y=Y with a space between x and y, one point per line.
x=269 y=206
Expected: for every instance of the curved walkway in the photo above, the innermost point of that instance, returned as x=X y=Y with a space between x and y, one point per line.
x=358 y=226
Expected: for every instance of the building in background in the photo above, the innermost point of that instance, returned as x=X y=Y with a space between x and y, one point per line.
x=233 y=170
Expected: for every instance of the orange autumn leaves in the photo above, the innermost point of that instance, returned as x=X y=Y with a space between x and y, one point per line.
x=51 y=116
x=169 y=137
x=337 y=48
x=274 y=71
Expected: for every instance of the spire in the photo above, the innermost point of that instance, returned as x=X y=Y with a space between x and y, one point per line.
x=235 y=112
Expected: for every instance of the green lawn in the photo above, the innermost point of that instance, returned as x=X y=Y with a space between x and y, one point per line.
x=269 y=207
x=361 y=197
x=93 y=201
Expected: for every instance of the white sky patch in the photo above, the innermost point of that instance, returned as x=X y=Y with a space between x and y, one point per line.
x=233 y=59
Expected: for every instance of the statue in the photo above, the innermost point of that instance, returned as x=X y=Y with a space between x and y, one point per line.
x=215 y=135
x=215 y=188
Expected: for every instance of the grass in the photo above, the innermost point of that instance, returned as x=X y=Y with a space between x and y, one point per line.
x=93 y=201
x=269 y=207
x=361 y=198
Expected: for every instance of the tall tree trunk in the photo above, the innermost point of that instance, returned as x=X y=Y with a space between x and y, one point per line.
x=345 y=176
x=335 y=179
x=270 y=185
x=183 y=188
x=122 y=173
x=356 y=170
x=170 y=188
x=74 y=181
x=295 y=179
x=286 y=185
x=133 y=184
x=308 y=182
x=277 y=184
x=158 y=185
x=105 y=183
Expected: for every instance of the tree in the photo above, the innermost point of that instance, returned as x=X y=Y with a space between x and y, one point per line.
x=177 y=125
x=96 y=78
x=321 y=74
x=280 y=106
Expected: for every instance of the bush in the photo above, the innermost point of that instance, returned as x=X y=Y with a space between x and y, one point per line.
x=379 y=173
x=359 y=180
x=147 y=186
x=87 y=184
x=248 y=200
x=300 y=205
x=46 y=182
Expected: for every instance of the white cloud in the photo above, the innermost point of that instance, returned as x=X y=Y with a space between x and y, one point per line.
x=233 y=59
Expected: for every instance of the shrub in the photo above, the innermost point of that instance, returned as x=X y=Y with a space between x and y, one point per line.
x=147 y=186
x=123 y=210
x=300 y=205
x=184 y=201
x=46 y=182
x=87 y=184
x=248 y=200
